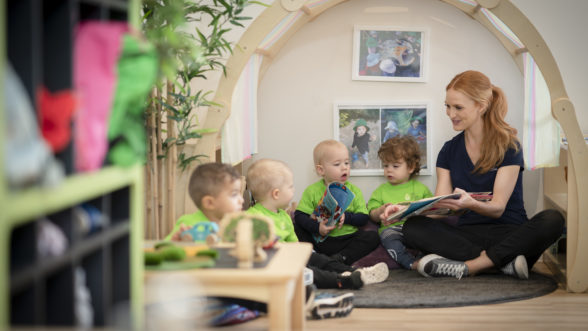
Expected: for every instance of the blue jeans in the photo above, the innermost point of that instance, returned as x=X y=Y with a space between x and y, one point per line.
x=393 y=240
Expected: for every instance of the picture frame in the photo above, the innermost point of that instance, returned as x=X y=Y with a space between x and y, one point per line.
x=385 y=53
x=382 y=120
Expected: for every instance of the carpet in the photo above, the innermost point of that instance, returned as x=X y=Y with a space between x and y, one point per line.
x=408 y=289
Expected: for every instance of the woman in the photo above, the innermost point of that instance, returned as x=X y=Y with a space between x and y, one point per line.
x=485 y=156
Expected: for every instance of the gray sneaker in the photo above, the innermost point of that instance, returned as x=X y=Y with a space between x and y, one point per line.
x=433 y=265
x=517 y=268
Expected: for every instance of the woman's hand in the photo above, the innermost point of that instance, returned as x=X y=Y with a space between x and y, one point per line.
x=464 y=201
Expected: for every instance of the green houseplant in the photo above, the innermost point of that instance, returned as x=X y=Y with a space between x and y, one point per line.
x=190 y=37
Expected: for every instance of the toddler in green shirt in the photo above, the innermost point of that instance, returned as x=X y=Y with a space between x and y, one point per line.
x=344 y=241
x=400 y=158
x=272 y=186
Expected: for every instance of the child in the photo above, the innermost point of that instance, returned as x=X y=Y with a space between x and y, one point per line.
x=272 y=185
x=361 y=141
x=400 y=157
x=345 y=242
x=216 y=190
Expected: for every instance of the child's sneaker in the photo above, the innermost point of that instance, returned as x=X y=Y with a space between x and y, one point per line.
x=433 y=265
x=326 y=305
x=517 y=268
x=350 y=280
x=374 y=274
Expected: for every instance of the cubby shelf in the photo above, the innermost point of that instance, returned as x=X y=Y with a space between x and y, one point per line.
x=39 y=290
x=112 y=257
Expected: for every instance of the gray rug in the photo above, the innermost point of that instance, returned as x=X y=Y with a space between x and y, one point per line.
x=408 y=289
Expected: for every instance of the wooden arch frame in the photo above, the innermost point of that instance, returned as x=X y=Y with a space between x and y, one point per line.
x=562 y=108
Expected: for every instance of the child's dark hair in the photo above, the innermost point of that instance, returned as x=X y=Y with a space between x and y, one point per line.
x=210 y=179
x=402 y=148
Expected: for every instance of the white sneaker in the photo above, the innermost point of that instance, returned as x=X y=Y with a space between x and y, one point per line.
x=374 y=274
x=517 y=268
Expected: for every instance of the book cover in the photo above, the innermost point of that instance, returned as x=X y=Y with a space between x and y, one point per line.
x=417 y=207
x=425 y=206
x=332 y=205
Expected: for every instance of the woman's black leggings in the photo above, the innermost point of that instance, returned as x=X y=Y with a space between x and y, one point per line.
x=502 y=242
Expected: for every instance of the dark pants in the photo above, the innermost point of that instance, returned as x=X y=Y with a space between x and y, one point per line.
x=326 y=270
x=502 y=242
x=352 y=246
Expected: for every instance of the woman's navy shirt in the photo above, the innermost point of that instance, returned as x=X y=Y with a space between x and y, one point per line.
x=454 y=157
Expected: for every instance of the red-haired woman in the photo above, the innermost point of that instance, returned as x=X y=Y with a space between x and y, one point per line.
x=484 y=156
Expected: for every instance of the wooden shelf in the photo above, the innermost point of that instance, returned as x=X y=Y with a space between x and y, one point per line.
x=557 y=264
x=559 y=200
x=32 y=203
x=38 y=291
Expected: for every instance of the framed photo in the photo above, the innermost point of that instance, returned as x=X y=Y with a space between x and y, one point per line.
x=389 y=54
x=364 y=127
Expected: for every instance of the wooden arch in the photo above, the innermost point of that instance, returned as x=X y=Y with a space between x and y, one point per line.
x=562 y=108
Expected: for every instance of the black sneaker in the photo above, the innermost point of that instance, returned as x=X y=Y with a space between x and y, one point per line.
x=350 y=281
x=517 y=268
x=328 y=305
x=433 y=265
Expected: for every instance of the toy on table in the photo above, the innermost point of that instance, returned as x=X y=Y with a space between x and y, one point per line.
x=250 y=233
x=199 y=232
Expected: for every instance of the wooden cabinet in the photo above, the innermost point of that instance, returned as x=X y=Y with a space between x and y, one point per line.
x=555 y=188
x=568 y=258
x=36 y=289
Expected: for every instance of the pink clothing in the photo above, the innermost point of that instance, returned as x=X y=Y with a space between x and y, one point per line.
x=97 y=49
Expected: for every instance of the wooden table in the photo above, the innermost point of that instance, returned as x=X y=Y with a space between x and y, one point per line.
x=279 y=284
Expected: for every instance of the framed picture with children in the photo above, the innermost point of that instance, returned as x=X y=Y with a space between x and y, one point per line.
x=384 y=53
x=364 y=127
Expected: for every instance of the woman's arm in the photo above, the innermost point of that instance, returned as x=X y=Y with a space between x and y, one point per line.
x=504 y=184
x=444 y=185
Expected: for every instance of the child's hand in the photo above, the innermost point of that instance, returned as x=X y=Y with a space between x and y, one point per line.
x=177 y=236
x=341 y=221
x=389 y=210
x=324 y=229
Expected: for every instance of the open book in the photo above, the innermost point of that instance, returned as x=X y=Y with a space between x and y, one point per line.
x=332 y=205
x=425 y=206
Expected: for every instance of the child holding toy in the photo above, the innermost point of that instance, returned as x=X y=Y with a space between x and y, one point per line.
x=216 y=190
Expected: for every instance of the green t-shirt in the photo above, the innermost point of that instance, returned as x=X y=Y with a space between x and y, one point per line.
x=388 y=193
x=283 y=223
x=313 y=194
x=190 y=220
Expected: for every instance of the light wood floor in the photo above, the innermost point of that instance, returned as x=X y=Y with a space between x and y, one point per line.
x=559 y=310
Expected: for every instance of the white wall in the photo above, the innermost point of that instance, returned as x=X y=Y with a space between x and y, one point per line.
x=312 y=71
